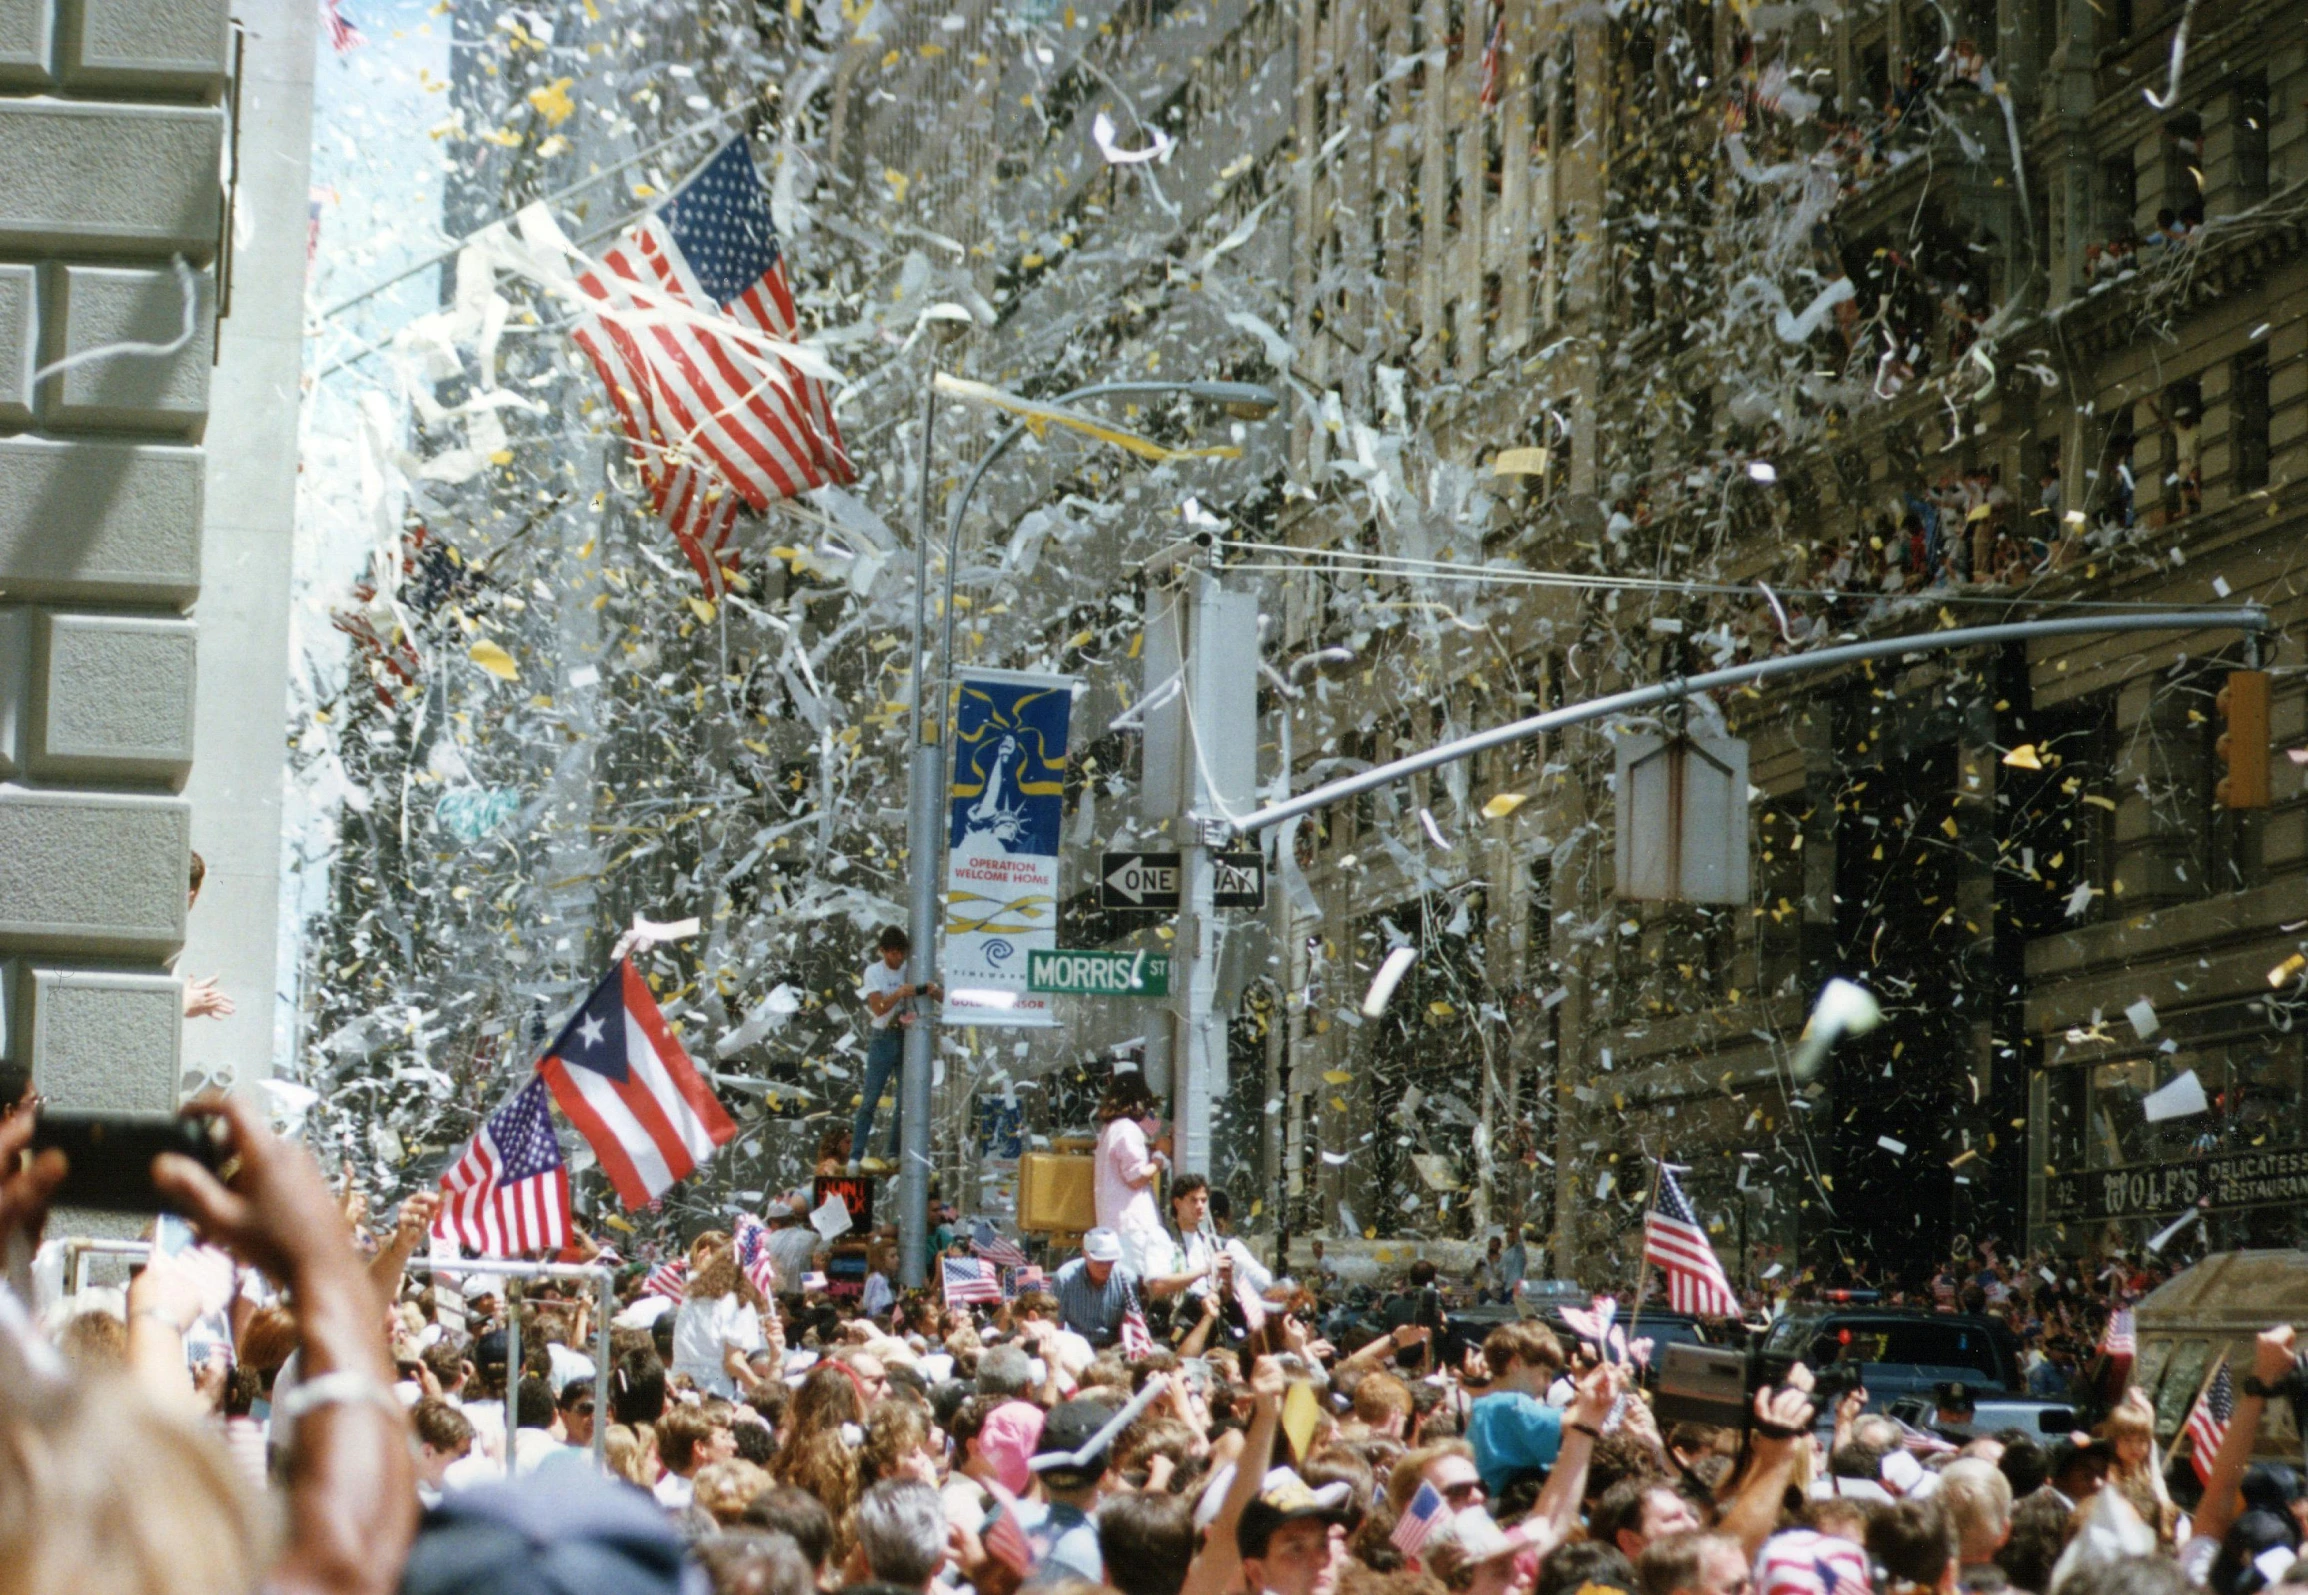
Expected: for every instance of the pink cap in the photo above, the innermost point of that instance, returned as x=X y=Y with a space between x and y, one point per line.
x=1011 y=1432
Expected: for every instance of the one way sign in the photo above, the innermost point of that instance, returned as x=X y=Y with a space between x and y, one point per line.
x=1138 y=880
x=1156 y=881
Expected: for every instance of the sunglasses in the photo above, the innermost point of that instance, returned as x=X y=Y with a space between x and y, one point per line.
x=1456 y=1494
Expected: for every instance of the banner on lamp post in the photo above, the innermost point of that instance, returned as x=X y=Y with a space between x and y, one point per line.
x=1006 y=804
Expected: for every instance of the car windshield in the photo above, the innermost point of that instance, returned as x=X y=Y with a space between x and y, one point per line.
x=1907 y=1341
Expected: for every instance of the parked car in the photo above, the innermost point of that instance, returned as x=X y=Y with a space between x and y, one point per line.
x=1902 y=1355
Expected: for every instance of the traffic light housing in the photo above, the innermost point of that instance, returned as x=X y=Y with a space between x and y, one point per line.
x=2243 y=746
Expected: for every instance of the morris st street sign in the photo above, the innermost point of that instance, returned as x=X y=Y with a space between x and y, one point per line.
x=2160 y=1190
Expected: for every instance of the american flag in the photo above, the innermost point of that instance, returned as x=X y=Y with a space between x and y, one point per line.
x=1673 y=1240
x=1419 y=1519
x=1017 y=1281
x=1006 y=1542
x=343 y=35
x=969 y=1279
x=1137 y=1339
x=995 y=1247
x=2121 y=1337
x=1488 y=93
x=2208 y=1422
x=715 y=419
x=669 y=1280
x=1921 y=1442
x=751 y=1237
x=509 y=1193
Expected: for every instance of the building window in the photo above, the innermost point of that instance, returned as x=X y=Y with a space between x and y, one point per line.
x=2181 y=409
x=2119 y=198
x=2250 y=138
x=2248 y=418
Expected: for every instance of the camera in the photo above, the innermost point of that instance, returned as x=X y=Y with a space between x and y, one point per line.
x=1716 y=1385
x=108 y=1156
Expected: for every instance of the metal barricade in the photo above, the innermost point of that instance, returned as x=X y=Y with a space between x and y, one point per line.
x=604 y=1282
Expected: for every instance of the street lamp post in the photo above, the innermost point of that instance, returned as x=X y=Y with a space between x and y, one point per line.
x=926 y=792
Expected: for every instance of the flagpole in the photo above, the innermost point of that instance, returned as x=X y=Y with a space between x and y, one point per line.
x=1643 y=1269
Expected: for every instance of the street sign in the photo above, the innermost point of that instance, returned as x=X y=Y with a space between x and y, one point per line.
x=1241 y=880
x=1099 y=974
x=1138 y=880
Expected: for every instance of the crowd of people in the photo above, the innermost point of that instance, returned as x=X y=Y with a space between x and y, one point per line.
x=1159 y=1415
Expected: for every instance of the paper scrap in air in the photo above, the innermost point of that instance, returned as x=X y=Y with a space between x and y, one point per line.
x=2179 y=1100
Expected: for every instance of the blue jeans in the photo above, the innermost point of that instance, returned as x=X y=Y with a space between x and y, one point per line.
x=885 y=1055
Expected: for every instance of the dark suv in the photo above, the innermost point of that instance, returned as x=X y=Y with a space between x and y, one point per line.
x=1906 y=1352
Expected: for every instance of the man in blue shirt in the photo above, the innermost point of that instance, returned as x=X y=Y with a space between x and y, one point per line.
x=1062 y=1528
x=1511 y=1427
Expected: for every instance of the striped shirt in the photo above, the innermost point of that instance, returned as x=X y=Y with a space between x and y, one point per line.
x=1091 y=1310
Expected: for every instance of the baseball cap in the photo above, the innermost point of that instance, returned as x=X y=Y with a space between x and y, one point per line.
x=1102 y=1246
x=1068 y=1430
x=1008 y=1440
x=576 y=1535
x=1284 y=1497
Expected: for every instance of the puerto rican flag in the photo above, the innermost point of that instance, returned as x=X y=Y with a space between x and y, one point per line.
x=624 y=1081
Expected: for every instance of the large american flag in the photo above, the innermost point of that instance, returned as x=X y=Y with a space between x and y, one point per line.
x=969 y=1279
x=716 y=421
x=2208 y=1422
x=1675 y=1243
x=509 y=1193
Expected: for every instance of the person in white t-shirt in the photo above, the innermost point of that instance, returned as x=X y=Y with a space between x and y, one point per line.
x=886 y=992
x=719 y=1325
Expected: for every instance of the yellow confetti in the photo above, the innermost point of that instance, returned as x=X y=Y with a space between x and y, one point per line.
x=552 y=102
x=2024 y=757
x=495 y=660
x=1503 y=804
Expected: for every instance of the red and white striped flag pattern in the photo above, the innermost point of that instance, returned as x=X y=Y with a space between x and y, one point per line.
x=343 y=34
x=2121 y=1338
x=1674 y=1242
x=1137 y=1339
x=1487 y=93
x=509 y=1193
x=1419 y=1519
x=715 y=421
x=623 y=1080
x=968 y=1279
x=669 y=1280
x=2208 y=1422
x=751 y=1237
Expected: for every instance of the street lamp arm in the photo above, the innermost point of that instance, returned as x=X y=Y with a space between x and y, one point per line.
x=1216 y=392
x=2250 y=620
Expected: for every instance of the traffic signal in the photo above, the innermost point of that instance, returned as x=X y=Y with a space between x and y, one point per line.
x=2243 y=746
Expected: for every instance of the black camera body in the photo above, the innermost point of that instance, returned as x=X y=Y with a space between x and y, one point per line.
x=1717 y=1385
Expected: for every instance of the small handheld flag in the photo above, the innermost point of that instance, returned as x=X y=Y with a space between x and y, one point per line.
x=1419 y=1519
x=968 y=1279
x=2208 y=1421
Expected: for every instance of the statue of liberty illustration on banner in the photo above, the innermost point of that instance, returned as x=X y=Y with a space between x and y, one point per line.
x=1005 y=806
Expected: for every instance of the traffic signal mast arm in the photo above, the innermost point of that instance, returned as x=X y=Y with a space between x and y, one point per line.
x=2251 y=620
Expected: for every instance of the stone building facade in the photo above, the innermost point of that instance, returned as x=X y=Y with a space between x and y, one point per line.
x=152 y=202
x=1538 y=228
